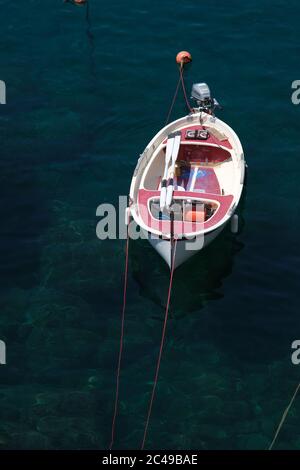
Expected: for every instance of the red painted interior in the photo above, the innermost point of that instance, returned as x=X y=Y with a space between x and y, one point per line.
x=211 y=140
x=179 y=227
x=202 y=153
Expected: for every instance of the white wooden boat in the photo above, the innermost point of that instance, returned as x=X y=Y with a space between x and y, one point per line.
x=188 y=182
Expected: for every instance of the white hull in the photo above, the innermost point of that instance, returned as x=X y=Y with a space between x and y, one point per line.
x=185 y=249
x=215 y=170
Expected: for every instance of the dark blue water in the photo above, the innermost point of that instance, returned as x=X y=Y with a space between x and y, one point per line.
x=84 y=96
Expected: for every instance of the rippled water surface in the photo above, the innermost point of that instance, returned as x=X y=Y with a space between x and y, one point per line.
x=84 y=96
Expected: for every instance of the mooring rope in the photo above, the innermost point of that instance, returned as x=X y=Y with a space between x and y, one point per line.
x=121 y=343
x=160 y=349
x=184 y=90
x=174 y=242
x=284 y=416
x=180 y=81
x=173 y=101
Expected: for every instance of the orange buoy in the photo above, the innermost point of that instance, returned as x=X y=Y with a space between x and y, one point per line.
x=76 y=2
x=183 y=57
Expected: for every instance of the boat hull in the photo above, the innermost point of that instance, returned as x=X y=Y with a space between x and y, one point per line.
x=210 y=172
x=185 y=249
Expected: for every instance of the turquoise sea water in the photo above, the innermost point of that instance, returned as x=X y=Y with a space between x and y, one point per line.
x=83 y=99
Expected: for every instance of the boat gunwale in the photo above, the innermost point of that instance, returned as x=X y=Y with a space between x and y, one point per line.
x=157 y=143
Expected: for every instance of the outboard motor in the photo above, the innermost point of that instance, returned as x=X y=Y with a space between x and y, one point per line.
x=201 y=93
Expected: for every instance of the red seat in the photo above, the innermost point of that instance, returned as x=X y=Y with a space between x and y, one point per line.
x=144 y=196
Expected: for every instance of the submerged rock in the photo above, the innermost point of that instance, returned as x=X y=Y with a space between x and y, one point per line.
x=212 y=432
x=70 y=433
x=34 y=440
x=67 y=347
x=238 y=410
x=52 y=308
x=252 y=442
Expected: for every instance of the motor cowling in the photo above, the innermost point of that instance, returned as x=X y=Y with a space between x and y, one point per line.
x=202 y=95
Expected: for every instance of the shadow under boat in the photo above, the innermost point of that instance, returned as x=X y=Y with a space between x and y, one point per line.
x=197 y=281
